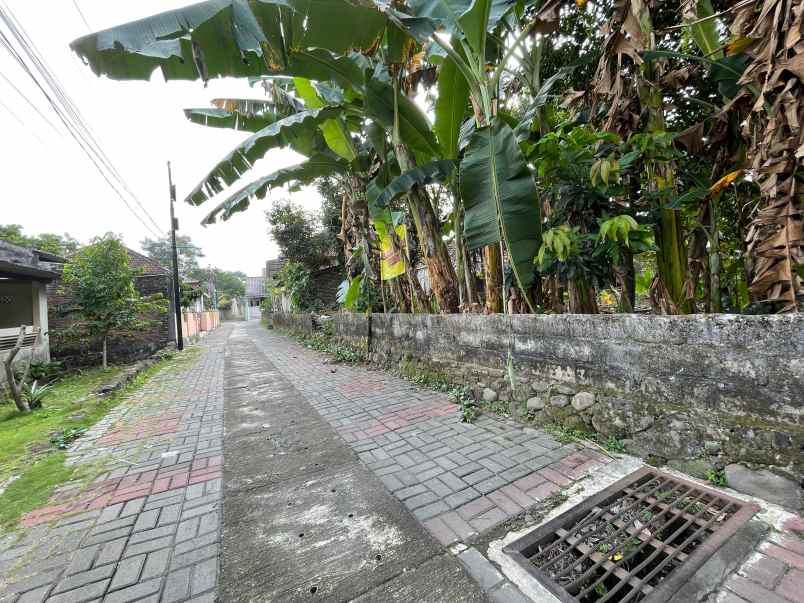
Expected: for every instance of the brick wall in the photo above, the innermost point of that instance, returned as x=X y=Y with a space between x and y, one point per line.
x=123 y=348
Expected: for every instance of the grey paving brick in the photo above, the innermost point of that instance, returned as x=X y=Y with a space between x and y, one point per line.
x=156 y=564
x=177 y=585
x=411 y=491
x=199 y=510
x=83 y=559
x=461 y=498
x=115 y=524
x=133 y=507
x=169 y=514
x=430 y=510
x=209 y=523
x=146 y=520
x=187 y=529
x=148 y=546
x=38 y=595
x=392 y=483
x=111 y=551
x=107 y=536
x=425 y=498
x=194 y=556
x=477 y=476
x=135 y=592
x=205 y=576
x=513 y=474
x=438 y=487
x=490 y=485
x=32 y=582
x=147 y=535
x=128 y=572
x=110 y=513
x=82 y=594
x=82 y=578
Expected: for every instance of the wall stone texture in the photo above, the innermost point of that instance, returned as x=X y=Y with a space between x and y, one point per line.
x=721 y=388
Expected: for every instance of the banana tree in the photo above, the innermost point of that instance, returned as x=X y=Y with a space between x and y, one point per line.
x=496 y=186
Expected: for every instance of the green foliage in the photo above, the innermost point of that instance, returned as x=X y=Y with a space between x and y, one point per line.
x=45 y=372
x=63 y=440
x=299 y=235
x=294 y=281
x=469 y=410
x=61 y=245
x=101 y=282
x=717 y=477
x=325 y=343
x=161 y=250
x=35 y=393
x=567 y=436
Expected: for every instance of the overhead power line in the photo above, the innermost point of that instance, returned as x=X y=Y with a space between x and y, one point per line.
x=80 y=12
x=67 y=111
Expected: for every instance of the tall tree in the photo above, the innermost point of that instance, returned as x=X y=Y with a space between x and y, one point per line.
x=104 y=299
x=299 y=234
x=160 y=250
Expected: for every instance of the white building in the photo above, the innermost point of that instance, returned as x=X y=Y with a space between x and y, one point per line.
x=24 y=275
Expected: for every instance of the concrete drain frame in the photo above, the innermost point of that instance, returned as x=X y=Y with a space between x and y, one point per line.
x=640 y=539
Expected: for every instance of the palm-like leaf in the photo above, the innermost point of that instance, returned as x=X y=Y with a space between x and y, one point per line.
x=429 y=173
x=229 y=38
x=295 y=176
x=246 y=115
x=500 y=198
x=298 y=131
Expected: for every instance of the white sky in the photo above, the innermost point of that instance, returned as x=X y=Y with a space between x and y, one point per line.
x=49 y=185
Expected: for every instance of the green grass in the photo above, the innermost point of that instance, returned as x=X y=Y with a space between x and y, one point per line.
x=29 y=442
x=26 y=437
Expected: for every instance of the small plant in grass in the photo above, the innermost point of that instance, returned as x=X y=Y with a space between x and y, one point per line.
x=67 y=437
x=469 y=410
x=35 y=393
x=717 y=477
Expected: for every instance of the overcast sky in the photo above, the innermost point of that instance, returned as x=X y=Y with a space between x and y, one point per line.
x=48 y=184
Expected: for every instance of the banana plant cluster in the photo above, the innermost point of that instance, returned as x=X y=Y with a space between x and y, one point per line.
x=507 y=152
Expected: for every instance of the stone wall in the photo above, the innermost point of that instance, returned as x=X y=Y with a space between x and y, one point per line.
x=723 y=388
x=294 y=323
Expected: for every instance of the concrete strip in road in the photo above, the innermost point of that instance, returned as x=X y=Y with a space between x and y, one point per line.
x=303 y=518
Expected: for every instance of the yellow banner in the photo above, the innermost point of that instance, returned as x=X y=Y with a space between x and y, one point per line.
x=392 y=263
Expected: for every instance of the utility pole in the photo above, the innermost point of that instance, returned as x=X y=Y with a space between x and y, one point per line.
x=174 y=225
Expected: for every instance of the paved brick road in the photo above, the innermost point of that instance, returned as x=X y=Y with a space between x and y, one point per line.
x=148 y=528
x=458 y=479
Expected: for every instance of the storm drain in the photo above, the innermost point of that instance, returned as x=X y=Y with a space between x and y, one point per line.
x=638 y=540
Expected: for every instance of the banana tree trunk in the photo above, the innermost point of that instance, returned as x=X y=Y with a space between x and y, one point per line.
x=581 y=297
x=492 y=269
x=443 y=281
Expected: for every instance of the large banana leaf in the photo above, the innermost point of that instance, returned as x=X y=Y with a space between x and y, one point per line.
x=298 y=131
x=429 y=173
x=246 y=115
x=414 y=129
x=498 y=191
x=236 y=38
x=335 y=132
x=296 y=176
x=467 y=18
x=453 y=97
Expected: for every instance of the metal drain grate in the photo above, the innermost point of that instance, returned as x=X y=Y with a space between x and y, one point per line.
x=638 y=540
